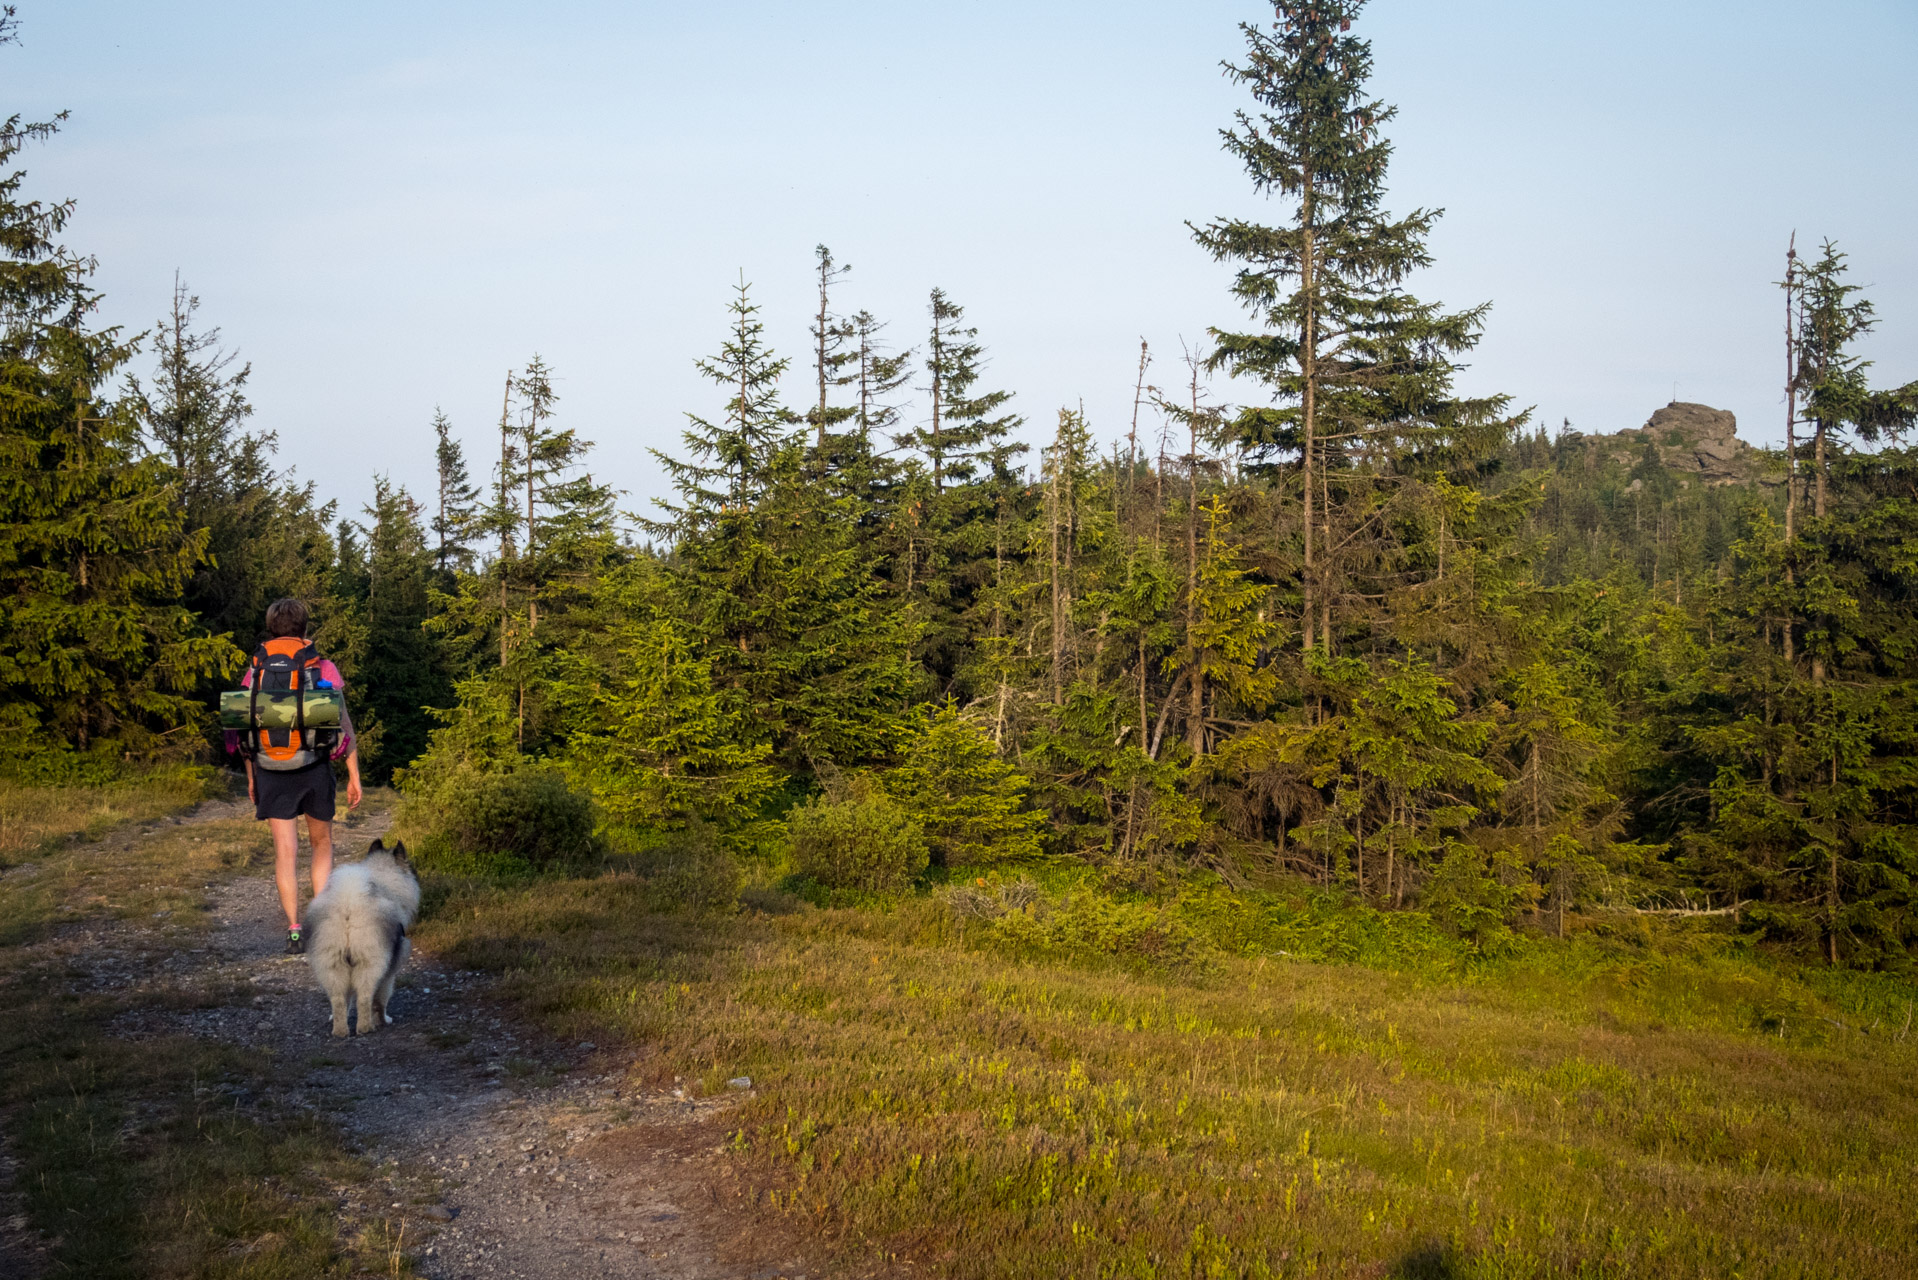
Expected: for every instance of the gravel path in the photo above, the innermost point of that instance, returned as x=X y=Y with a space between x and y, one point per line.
x=500 y=1153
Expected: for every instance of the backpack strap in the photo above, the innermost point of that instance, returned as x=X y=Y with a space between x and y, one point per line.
x=258 y=667
x=304 y=660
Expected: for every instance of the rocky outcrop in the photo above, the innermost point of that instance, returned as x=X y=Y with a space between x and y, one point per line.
x=1695 y=442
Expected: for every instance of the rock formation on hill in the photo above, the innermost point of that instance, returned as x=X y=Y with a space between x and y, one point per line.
x=1694 y=441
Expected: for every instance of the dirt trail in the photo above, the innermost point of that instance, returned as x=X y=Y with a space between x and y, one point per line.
x=501 y=1153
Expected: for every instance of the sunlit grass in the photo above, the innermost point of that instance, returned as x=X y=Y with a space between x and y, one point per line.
x=1579 y=1109
x=34 y=818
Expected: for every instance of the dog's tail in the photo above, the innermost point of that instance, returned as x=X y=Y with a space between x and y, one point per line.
x=395 y=933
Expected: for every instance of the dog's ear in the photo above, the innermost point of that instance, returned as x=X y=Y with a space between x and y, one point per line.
x=399 y=851
x=376 y=846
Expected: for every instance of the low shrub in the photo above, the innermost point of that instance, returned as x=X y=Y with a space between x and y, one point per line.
x=1085 y=924
x=688 y=870
x=864 y=842
x=484 y=823
x=1477 y=895
x=435 y=854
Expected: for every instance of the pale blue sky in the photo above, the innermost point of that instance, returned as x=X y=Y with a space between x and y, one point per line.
x=386 y=205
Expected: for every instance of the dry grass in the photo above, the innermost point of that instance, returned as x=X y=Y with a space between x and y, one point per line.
x=152 y=1157
x=35 y=818
x=1580 y=1110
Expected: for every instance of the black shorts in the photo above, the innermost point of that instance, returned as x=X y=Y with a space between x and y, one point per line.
x=306 y=791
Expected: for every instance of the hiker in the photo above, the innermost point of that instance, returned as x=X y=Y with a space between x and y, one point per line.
x=289 y=773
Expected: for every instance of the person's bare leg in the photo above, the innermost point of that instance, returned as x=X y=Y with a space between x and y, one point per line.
x=321 y=835
x=286 y=865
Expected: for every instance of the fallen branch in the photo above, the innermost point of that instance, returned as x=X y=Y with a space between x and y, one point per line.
x=1732 y=910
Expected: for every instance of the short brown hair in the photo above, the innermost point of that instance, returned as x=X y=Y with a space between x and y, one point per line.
x=286 y=618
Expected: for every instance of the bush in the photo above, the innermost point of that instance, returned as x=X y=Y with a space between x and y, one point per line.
x=529 y=815
x=1084 y=924
x=689 y=870
x=864 y=842
x=1476 y=896
x=971 y=803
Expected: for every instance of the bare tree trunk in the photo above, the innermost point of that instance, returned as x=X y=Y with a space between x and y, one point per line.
x=1142 y=677
x=1358 y=829
x=1819 y=464
x=1391 y=849
x=1058 y=600
x=819 y=343
x=1308 y=371
x=1158 y=491
x=1398 y=892
x=999 y=621
x=865 y=379
x=1132 y=436
x=1832 y=886
x=938 y=395
x=1325 y=561
x=1791 y=393
x=532 y=586
x=1818 y=660
x=1195 y=713
x=505 y=533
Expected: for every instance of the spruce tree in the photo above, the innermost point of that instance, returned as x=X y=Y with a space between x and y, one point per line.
x=770 y=567
x=95 y=648
x=971 y=803
x=456 y=510
x=267 y=537
x=831 y=358
x=660 y=743
x=880 y=374
x=196 y=411
x=954 y=533
x=966 y=434
x=1831 y=378
x=1358 y=367
x=730 y=459
x=401 y=673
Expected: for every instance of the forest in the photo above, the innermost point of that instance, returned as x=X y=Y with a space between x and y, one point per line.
x=1352 y=629
x=1350 y=828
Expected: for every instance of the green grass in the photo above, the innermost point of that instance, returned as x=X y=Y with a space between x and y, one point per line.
x=151 y=1157
x=984 y=1099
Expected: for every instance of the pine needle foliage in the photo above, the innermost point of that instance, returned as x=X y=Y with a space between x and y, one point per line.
x=96 y=647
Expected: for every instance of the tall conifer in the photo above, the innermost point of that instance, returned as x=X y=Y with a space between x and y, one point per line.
x=94 y=551
x=1357 y=366
x=730 y=462
x=456 y=508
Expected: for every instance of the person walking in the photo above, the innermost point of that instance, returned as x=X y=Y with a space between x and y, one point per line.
x=289 y=772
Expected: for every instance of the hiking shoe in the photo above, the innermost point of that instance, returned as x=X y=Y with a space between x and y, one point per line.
x=295 y=942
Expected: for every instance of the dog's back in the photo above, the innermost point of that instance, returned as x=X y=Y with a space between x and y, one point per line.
x=356 y=933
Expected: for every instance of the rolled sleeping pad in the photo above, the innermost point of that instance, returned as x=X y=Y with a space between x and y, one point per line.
x=323 y=708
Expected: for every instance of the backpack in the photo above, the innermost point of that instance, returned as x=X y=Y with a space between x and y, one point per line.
x=287 y=664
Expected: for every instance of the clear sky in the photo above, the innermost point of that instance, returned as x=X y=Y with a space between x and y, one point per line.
x=385 y=206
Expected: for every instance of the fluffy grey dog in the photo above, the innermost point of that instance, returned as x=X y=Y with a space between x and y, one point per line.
x=356 y=933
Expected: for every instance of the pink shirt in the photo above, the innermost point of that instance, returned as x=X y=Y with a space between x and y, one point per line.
x=330 y=674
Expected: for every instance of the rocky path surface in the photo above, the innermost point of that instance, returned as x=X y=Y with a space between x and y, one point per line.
x=500 y=1153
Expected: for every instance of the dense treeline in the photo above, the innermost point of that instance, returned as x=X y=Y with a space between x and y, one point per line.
x=1356 y=628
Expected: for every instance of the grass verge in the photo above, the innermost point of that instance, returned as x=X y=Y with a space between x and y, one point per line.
x=987 y=1102
x=155 y=1156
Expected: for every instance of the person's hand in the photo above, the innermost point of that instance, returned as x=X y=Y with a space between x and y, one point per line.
x=353 y=793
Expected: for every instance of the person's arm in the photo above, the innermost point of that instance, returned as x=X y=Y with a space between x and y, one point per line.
x=348 y=748
x=251 y=798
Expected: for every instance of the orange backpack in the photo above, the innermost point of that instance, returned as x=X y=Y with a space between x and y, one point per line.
x=287 y=664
